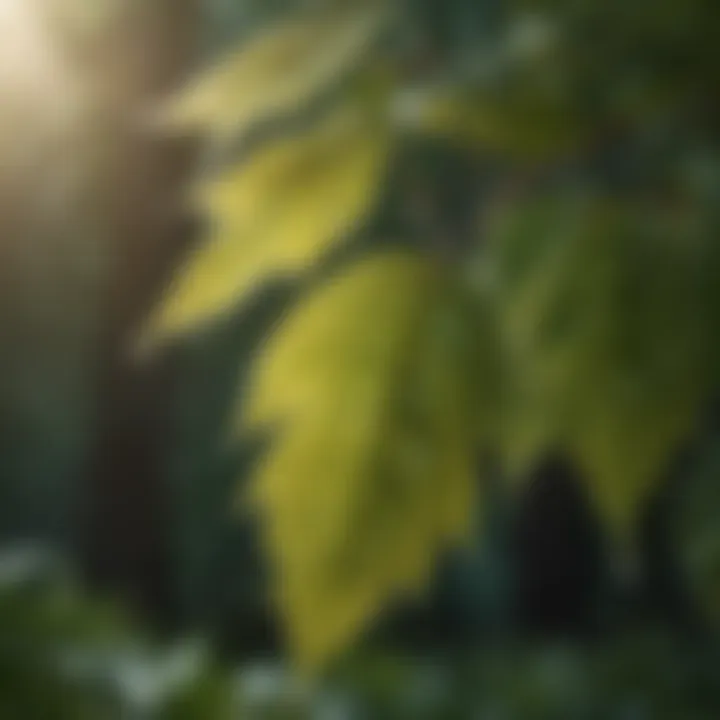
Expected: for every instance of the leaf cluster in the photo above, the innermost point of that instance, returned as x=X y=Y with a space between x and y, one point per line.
x=576 y=309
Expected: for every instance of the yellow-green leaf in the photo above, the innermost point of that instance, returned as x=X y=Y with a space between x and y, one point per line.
x=646 y=377
x=605 y=341
x=625 y=441
x=277 y=71
x=545 y=309
x=369 y=386
x=277 y=215
x=471 y=120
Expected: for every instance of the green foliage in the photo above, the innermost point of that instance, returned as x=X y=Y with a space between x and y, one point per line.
x=278 y=213
x=644 y=676
x=596 y=288
x=585 y=319
x=284 y=67
x=405 y=377
x=64 y=657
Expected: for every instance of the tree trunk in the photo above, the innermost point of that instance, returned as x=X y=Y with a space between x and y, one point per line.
x=127 y=532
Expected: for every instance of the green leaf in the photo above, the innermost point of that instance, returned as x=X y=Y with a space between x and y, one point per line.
x=277 y=71
x=371 y=471
x=606 y=335
x=277 y=215
x=520 y=127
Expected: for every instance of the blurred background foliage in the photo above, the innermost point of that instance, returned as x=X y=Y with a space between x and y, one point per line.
x=561 y=157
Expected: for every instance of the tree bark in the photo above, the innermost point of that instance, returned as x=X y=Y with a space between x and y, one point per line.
x=126 y=535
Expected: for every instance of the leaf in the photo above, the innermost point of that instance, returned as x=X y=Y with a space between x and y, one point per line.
x=605 y=335
x=648 y=380
x=520 y=128
x=541 y=298
x=369 y=385
x=276 y=72
x=277 y=215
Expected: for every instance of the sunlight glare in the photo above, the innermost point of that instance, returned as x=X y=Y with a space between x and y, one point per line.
x=39 y=92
